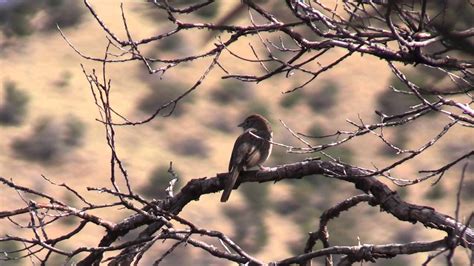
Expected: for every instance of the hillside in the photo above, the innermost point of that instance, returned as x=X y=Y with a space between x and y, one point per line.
x=198 y=138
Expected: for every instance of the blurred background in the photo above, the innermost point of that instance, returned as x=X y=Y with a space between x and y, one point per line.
x=48 y=127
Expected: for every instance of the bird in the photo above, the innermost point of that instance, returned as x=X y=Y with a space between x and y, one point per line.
x=252 y=148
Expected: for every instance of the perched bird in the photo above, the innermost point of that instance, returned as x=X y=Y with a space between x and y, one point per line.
x=249 y=150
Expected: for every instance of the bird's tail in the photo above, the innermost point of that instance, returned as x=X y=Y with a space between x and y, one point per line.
x=229 y=183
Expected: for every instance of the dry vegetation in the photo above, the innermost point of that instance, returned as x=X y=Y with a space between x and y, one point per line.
x=53 y=135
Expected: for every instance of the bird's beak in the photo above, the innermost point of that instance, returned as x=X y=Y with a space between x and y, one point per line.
x=241 y=124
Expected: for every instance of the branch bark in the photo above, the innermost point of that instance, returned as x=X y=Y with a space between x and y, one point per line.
x=388 y=200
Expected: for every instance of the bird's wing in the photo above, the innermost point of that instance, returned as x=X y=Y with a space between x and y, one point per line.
x=243 y=148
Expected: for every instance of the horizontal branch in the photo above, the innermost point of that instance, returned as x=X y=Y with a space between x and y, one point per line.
x=388 y=200
x=368 y=252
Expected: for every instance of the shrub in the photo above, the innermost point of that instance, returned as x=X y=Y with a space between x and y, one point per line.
x=209 y=11
x=323 y=99
x=6 y=249
x=436 y=192
x=74 y=131
x=42 y=145
x=289 y=100
x=64 y=79
x=222 y=123
x=158 y=180
x=403 y=192
x=391 y=102
x=341 y=153
x=316 y=131
x=287 y=207
x=258 y=107
x=249 y=234
x=65 y=13
x=49 y=140
x=190 y=147
x=14 y=108
x=400 y=140
x=256 y=196
x=230 y=91
x=173 y=43
x=161 y=93
x=467 y=192
x=15 y=18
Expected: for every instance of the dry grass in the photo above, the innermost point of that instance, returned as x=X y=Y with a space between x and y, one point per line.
x=40 y=60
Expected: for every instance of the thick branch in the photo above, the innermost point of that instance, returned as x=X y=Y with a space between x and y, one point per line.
x=384 y=196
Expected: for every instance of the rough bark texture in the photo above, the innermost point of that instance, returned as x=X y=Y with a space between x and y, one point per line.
x=388 y=200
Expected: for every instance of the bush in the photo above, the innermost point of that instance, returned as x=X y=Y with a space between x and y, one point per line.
x=42 y=145
x=6 y=249
x=173 y=43
x=48 y=140
x=256 y=196
x=161 y=93
x=467 y=192
x=324 y=99
x=191 y=147
x=14 y=108
x=158 y=181
x=391 y=102
x=341 y=153
x=258 y=107
x=250 y=230
x=16 y=17
x=289 y=100
x=74 y=131
x=230 y=91
x=436 y=192
x=65 y=13
x=222 y=123
x=400 y=140
x=316 y=131
x=64 y=80
x=209 y=11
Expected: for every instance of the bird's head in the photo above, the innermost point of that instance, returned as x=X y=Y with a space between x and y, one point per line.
x=257 y=122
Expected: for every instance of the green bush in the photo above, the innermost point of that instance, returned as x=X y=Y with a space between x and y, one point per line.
x=324 y=99
x=14 y=107
x=316 y=131
x=65 y=13
x=161 y=93
x=289 y=100
x=7 y=249
x=209 y=11
x=158 y=181
x=467 y=192
x=74 y=131
x=173 y=43
x=230 y=91
x=390 y=102
x=249 y=234
x=64 y=79
x=15 y=18
x=48 y=140
x=259 y=107
x=191 y=146
x=403 y=192
x=255 y=195
x=222 y=123
x=341 y=153
x=400 y=140
x=43 y=144
x=436 y=192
